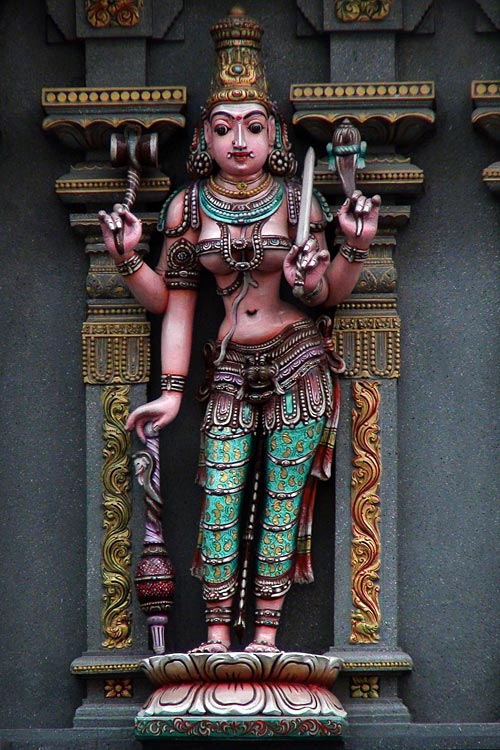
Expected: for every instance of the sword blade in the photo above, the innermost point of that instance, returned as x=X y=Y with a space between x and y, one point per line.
x=306 y=198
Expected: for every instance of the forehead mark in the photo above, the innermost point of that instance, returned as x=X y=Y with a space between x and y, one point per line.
x=229 y=116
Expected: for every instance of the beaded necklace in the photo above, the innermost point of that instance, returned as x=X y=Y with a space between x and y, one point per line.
x=242 y=192
x=241 y=213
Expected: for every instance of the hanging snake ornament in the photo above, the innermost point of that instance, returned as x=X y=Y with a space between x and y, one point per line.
x=154 y=578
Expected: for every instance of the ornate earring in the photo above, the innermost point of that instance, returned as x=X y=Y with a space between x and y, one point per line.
x=199 y=162
x=281 y=160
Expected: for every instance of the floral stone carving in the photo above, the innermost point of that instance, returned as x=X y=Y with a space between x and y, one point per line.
x=241 y=694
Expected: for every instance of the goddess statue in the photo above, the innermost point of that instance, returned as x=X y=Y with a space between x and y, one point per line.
x=271 y=392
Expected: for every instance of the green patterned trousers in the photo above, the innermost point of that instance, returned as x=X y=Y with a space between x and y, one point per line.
x=287 y=455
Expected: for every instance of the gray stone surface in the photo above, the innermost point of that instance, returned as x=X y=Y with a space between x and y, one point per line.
x=449 y=393
x=386 y=737
x=447 y=396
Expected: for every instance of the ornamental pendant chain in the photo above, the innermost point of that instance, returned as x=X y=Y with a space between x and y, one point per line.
x=240 y=245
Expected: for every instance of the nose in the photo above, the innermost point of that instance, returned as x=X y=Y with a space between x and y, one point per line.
x=238 y=136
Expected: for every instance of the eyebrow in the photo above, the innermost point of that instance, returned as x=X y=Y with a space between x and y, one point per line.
x=223 y=113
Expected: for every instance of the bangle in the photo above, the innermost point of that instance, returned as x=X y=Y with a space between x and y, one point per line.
x=171 y=382
x=353 y=254
x=317 y=290
x=130 y=266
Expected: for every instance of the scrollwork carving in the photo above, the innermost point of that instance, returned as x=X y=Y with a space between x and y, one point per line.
x=350 y=11
x=116 y=565
x=103 y=13
x=365 y=509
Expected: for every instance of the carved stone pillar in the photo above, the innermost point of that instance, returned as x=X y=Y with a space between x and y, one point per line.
x=115 y=335
x=367 y=335
x=486 y=118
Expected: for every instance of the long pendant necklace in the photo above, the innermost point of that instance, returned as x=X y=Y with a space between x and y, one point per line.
x=244 y=267
x=240 y=245
x=241 y=213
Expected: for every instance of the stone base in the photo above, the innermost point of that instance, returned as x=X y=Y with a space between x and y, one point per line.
x=262 y=727
x=282 y=695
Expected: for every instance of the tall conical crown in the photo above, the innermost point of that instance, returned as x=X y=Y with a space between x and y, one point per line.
x=239 y=73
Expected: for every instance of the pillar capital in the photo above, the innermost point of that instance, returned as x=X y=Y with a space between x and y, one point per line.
x=485 y=97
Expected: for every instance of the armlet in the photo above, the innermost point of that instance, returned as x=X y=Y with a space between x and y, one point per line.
x=183 y=268
x=293 y=193
x=190 y=213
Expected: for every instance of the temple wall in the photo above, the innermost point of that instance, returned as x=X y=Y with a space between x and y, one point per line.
x=447 y=396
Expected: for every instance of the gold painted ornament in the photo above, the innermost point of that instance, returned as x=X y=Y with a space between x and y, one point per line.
x=350 y=11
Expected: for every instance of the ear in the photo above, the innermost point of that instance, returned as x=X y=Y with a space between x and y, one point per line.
x=271 y=132
x=207 y=130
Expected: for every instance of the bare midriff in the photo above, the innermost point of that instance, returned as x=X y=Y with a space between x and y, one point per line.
x=261 y=314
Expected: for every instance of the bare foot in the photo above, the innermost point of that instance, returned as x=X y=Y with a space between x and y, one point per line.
x=262 y=646
x=212 y=646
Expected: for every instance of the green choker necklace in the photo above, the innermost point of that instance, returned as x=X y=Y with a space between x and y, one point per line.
x=241 y=213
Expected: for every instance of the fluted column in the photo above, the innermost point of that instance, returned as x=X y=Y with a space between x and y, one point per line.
x=115 y=372
x=367 y=332
x=485 y=97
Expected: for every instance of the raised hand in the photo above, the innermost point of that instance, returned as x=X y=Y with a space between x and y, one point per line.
x=305 y=266
x=120 y=220
x=367 y=209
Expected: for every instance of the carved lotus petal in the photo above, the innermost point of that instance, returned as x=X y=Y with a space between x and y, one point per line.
x=233 y=667
x=172 y=701
x=172 y=668
x=305 y=700
x=231 y=699
x=241 y=667
x=305 y=668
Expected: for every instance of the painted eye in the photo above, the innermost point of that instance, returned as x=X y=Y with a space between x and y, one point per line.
x=256 y=128
x=221 y=129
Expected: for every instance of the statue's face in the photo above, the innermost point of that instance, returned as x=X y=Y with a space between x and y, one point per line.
x=240 y=137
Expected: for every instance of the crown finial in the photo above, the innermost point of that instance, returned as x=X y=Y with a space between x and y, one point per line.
x=239 y=74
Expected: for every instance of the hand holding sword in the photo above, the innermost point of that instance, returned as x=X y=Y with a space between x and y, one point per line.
x=306 y=262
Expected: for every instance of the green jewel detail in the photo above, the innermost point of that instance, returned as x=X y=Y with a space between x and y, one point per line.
x=248 y=213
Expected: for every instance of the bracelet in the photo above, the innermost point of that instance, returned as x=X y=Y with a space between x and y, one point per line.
x=173 y=382
x=130 y=266
x=353 y=254
x=317 y=290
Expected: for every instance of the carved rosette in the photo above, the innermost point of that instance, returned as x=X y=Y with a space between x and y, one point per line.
x=365 y=686
x=121 y=687
x=241 y=695
x=116 y=562
x=365 y=509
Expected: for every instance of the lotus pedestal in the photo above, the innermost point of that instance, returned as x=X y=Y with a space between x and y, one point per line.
x=240 y=695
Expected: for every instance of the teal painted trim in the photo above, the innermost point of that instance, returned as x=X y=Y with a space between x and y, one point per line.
x=245 y=215
x=163 y=213
x=232 y=727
